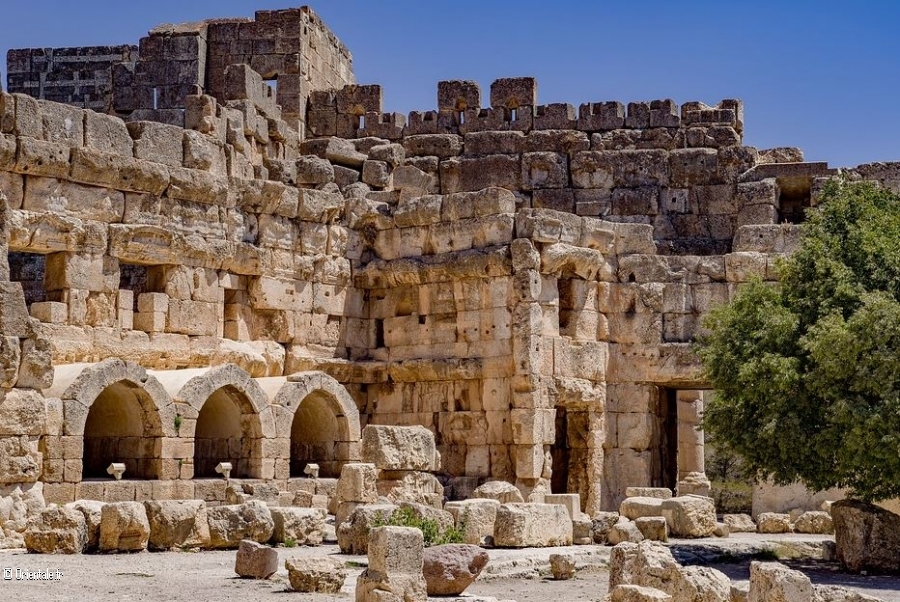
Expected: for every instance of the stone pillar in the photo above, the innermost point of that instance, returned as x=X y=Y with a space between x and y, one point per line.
x=691 y=463
x=396 y=558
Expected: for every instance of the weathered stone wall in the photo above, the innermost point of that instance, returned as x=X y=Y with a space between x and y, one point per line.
x=521 y=279
x=79 y=76
x=532 y=340
x=151 y=81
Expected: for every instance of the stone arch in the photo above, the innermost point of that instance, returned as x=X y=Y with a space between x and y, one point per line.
x=321 y=420
x=119 y=412
x=227 y=416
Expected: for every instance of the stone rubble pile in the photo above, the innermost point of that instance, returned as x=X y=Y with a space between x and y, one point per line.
x=647 y=571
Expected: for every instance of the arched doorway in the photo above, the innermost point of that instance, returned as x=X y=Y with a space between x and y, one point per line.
x=220 y=436
x=122 y=426
x=119 y=412
x=315 y=433
x=322 y=420
x=227 y=416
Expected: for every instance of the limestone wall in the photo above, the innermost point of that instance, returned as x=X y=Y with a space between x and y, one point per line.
x=152 y=80
x=522 y=280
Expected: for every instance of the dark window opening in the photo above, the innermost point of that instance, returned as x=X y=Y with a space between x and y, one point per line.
x=379 y=334
x=794 y=198
x=560 y=452
x=664 y=461
x=29 y=270
x=134 y=278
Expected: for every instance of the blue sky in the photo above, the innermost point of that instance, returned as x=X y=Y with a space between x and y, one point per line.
x=824 y=76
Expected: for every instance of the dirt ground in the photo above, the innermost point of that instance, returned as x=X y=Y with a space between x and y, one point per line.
x=201 y=576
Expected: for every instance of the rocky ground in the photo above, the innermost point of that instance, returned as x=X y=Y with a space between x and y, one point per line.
x=519 y=575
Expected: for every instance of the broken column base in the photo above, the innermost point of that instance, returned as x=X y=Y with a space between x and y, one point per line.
x=694 y=483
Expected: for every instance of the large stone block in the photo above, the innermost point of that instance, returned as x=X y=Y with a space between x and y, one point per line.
x=532 y=525
x=353 y=533
x=637 y=593
x=228 y=525
x=867 y=537
x=400 y=448
x=450 y=569
x=322 y=574
x=636 y=507
x=255 y=560
x=773 y=522
x=774 y=582
x=514 y=92
x=124 y=527
x=814 y=521
x=56 y=531
x=395 y=567
x=177 y=524
x=13 y=311
x=476 y=518
x=20 y=458
x=690 y=516
x=157 y=142
x=302 y=526
x=93 y=513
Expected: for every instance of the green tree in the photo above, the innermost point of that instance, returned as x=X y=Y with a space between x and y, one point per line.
x=807 y=371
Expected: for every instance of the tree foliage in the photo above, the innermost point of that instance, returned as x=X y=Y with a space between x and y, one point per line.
x=807 y=372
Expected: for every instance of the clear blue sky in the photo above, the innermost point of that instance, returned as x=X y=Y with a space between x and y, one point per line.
x=821 y=75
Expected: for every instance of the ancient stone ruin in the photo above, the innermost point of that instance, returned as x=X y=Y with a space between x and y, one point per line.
x=221 y=257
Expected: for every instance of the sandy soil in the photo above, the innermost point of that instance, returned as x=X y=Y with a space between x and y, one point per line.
x=201 y=576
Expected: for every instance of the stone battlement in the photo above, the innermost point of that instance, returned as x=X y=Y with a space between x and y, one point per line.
x=357 y=111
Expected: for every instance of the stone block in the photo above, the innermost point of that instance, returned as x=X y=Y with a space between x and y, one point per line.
x=572 y=502
x=739 y=523
x=544 y=170
x=690 y=516
x=555 y=116
x=449 y=569
x=514 y=92
x=353 y=533
x=376 y=173
x=177 y=524
x=653 y=528
x=624 y=531
x=359 y=99
x=637 y=593
x=442 y=146
x=458 y=95
x=322 y=574
x=40 y=158
x=157 y=142
x=400 y=448
x=774 y=582
x=357 y=483
x=814 y=521
x=773 y=522
x=636 y=507
x=314 y=170
x=124 y=527
x=228 y=525
x=255 y=560
x=92 y=511
x=662 y=493
x=302 y=526
x=21 y=115
x=601 y=523
x=532 y=526
x=62 y=124
x=476 y=518
x=56 y=530
x=107 y=134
